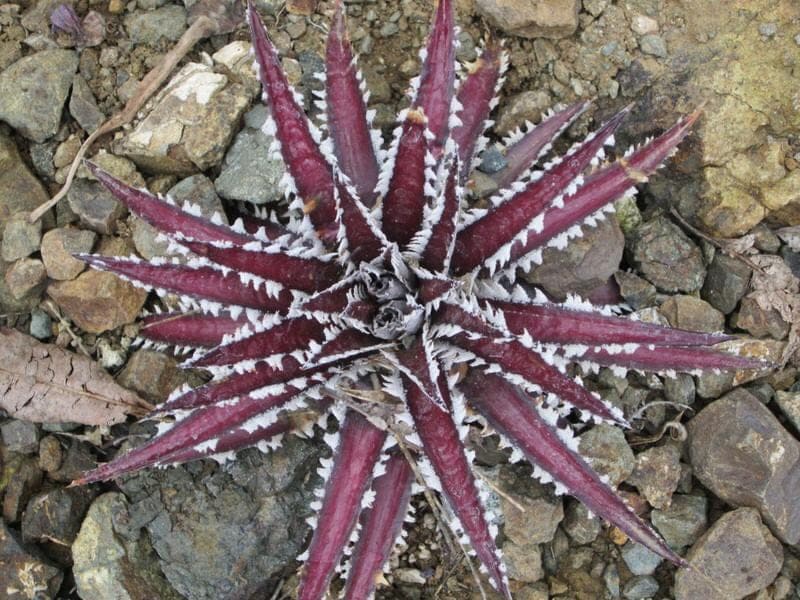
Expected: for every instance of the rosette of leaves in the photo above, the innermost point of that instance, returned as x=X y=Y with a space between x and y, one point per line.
x=381 y=298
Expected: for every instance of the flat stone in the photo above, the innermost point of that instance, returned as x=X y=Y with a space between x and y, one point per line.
x=667 y=257
x=683 y=521
x=740 y=452
x=606 y=449
x=191 y=124
x=637 y=292
x=736 y=557
x=653 y=44
x=584 y=265
x=83 y=106
x=523 y=561
x=20 y=436
x=76 y=459
x=50 y=454
x=640 y=587
x=25 y=575
x=97 y=301
x=657 y=474
x=546 y=19
x=639 y=559
x=58 y=246
x=24 y=479
x=20 y=237
x=760 y=322
x=33 y=91
x=579 y=524
x=726 y=282
x=20 y=191
x=694 y=314
x=249 y=171
x=109 y=566
x=96 y=207
x=789 y=403
x=25 y=278
x=151 y=374
x=679 y=389
x=150 y=27
x=53 y=519
x=521 y=108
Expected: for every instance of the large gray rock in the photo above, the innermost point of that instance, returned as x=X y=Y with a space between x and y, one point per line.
x=743 y=454
x=20 y=191
x=33 y=91
x=736 y=557
x=667 y=257
x=110 y=567
x=227 y=533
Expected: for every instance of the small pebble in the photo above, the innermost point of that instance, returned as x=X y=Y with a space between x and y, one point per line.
x=50 y=454
x=20 y=436
x=768 y=30
x=41 y=325
x=654 y=45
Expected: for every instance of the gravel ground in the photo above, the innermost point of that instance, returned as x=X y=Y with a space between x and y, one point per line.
x=708 y=244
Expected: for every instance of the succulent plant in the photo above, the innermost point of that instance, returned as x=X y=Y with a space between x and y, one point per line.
x=382 y=299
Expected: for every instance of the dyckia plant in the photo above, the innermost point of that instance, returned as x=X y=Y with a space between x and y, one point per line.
x=382 y=299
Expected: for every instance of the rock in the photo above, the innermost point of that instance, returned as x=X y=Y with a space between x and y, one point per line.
x=740 y=451
x=249 y=172
x=25 y=278
x=521 y=490
x=611 y=579
x=41 y=325
x=666 y=257
x=679 y=389
x=713 y=385
x=20 y=436
x=521 y=108
x=523 y=561
x=24 y=574
x=53 y=519
x=760 y=322
x=605 y=448
x=151 y=374
x=683 y=521
x=688 y=312
x=789 y=403
x=736 y=557
x=657 y=474
x=75 y=460
x=50 y=454
x=95 y=206
x=579 y=524
x=653 y=44
x=83 y=106
x=640 y=587
x=639 y=559
x=24 y=480
x=20 y=191
x=58 y=246
x=199 y=191
x=584 y=265
x=237 y=57
x=20 y=238
x=726 y=282
x=547 y=19
x=96 y=301
x=150 y=27
x=637 y=292
x=226 y=533
x=107 y=565
x=191 y=123
x=33 y=91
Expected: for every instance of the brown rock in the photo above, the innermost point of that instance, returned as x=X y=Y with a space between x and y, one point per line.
x=543 y=19
x=98 y=301
x=19 y=189
x=25 y=277
x=688 y=312
x=96 y=206
x=22 y=574
x=736 y=557
x=758 y=321
x=58 y=246
x=657 y=474
x=152 y=374
x=743 y=454
x=24 y=478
